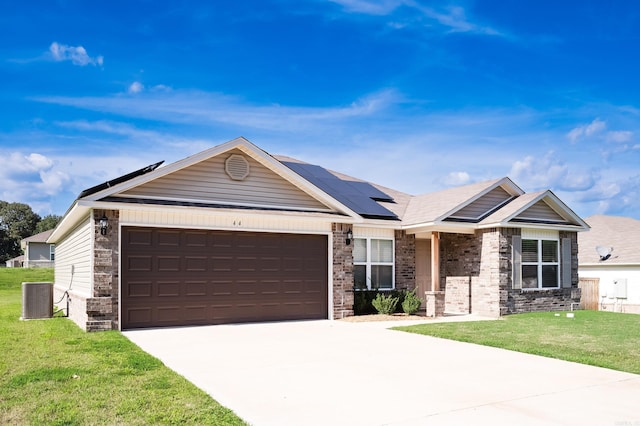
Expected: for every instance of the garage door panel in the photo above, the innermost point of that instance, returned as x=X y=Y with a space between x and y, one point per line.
x=139 y=289
x=168 y=263
x=139 y=263
x=195 y=288
x=168 y=238
x=176 y=277
x=169 y=289
x=196 y=263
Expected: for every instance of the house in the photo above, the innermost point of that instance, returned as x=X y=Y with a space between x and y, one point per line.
x=16 y=262
x=609 y=257
x=38 y=253
x=234 y=234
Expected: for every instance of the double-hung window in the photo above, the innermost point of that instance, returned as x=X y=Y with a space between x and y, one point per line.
x=373 y=267
x=52 y=252
x=540 y=263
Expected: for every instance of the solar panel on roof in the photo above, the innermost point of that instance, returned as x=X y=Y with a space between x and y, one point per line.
x=370 y=191
x=358 y=196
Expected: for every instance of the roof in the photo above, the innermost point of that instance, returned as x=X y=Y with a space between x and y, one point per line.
x=497 y=202
x=38 y=238
x=436 y=205
x=617 y=232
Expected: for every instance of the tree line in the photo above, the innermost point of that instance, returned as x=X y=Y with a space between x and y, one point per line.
x=18 y=221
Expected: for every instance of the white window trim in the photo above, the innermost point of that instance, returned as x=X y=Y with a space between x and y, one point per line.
x=52 y=252
x=368 y=263
x=539 y=263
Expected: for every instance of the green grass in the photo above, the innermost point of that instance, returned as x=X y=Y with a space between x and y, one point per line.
x=53 y=373
x=604 y=339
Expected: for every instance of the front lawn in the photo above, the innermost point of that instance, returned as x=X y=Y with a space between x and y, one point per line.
x=53 y=373
x=604 y=339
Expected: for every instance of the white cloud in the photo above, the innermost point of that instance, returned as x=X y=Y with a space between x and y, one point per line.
x=586 y=130
x=376 y=7
x=456 y=178
x=31 y=179
x=452 y=17
x=76 y=54
x=135 y=87
x=548 y=172
x=620 y=136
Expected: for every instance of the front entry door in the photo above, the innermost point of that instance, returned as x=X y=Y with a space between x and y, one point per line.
x=423 y=269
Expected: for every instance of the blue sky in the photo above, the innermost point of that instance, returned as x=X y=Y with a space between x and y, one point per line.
x=414 y=95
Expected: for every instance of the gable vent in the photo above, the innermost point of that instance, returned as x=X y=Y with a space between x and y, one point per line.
x=237 y=167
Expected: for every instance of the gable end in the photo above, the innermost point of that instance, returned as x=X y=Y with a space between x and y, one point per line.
x=483 y=206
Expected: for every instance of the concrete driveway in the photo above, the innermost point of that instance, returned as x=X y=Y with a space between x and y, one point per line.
x=337 y=373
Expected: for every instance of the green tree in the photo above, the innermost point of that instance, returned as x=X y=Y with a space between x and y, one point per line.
x=17 y=221
x=48 y=222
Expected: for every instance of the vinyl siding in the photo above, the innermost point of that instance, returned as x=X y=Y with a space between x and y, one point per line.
x=541 y=211
x=73 y=260
x=207 y=181
x=187 y=219
x=483 y=205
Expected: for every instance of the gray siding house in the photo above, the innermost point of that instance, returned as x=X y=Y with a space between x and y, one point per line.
x=38 y=253
x=235 y=234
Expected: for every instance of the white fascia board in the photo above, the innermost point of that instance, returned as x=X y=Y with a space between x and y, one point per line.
x=513 y=189
x=549 y=226
x=439 y=226
x=301 y=215
x=76 y=213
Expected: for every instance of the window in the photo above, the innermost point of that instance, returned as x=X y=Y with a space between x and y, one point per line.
x=52 y=252
x=373 y=264
x=540 y=264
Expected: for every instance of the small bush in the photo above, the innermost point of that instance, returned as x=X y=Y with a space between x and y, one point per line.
x=411 y=303
x=385 y=304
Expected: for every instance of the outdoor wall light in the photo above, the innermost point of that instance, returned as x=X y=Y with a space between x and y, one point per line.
x=349 y=237
x=104 y=224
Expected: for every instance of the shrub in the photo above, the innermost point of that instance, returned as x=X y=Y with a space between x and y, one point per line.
x=385 y=304
x=411 y=303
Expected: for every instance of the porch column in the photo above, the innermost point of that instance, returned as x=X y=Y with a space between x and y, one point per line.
x=435 y=261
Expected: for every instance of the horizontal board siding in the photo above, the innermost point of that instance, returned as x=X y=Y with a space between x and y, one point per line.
x=541 y=211
x=540 y=234
x=362 y=232
x=483 y=205
x=192 y=220
x=207 y=181
x=73 y=260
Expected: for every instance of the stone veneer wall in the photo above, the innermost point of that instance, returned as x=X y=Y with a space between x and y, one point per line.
x=405 y=261
x=102 y=308
x=457 y=299
x=342 y=272
x=485 y=259
x=557 y=299
x=77 y=305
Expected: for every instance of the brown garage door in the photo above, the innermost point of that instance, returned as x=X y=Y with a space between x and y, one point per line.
x=173 y=277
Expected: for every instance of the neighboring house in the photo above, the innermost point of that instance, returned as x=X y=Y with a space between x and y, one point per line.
x=37 y=252
x=234 y=234
x=609 y=253
x=16 y=262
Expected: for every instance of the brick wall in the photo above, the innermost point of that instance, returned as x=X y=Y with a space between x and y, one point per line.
x=102 y=308
x=485 y=260
x=405 y=259
x=519 y=301
x=342 y=272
